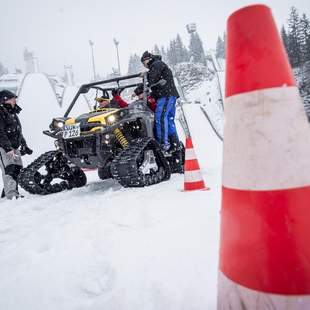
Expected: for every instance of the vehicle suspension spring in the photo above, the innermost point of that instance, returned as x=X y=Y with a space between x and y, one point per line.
x=121 y=138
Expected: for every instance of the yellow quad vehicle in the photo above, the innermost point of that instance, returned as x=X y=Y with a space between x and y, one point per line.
x=119 y=143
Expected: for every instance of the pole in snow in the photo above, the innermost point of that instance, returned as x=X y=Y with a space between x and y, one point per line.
x=91 y=43
x=117 y=55
x=191 y=29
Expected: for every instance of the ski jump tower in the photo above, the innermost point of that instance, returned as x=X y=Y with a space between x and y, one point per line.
x=31 y=62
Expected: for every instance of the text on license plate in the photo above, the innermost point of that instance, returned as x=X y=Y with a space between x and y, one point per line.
x=71 y=131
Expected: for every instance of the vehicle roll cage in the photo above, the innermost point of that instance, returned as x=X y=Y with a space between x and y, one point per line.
x=95 y=85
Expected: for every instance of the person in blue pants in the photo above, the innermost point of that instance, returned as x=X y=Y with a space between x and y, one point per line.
x=164 y=121
x=165 y=95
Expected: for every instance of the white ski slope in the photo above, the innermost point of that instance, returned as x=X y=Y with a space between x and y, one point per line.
x=219 y=65
x=208 y=95
x=208 y=146
x=81 y=105
x=39 y=106
x=107 y=247
x=221 y=80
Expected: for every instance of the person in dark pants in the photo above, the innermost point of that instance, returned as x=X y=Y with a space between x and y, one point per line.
x=12 y=144
x=165 y=95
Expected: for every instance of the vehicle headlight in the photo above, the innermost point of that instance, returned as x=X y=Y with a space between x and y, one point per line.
x=111 y=119
x=57 y=124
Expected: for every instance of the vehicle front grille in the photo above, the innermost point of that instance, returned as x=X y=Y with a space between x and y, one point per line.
x=78 y=147
x=88 y=126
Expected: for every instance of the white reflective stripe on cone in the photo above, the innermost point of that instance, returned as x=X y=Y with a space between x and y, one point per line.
x=234 y=296
x=192 y=176
x=265 y=132
x=190 y=154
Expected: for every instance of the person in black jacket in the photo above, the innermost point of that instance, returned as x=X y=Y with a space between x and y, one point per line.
x=12 y=144
x=165 y=95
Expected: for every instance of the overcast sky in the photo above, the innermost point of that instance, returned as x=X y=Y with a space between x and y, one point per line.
x=58 y=31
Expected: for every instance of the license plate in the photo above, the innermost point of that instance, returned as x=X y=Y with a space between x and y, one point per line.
x=71 y=131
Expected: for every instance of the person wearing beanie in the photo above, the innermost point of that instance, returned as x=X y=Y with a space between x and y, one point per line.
x=12 y=144
x=165 y=95
x=151 y=102
x=117 y=99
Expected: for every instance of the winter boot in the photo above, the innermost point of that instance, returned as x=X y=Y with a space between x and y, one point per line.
x=174 y=143
x=165 y=148
x=17 y=197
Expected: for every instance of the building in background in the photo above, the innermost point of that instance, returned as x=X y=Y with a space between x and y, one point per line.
x=11 y=82
x=69 y=76
x=31 y=62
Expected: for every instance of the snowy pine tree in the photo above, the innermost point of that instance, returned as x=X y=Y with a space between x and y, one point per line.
x=163 y=54
x=225 y=42
x=297 y=43
x=171 y=53
x=294 y=38
x=304 y=34
x=220 y=48
x=181 y=52
x=177 y=52
x=156 y=50
x=134 y=65
x=297 y=38
x=196 y=50
x=284 y=37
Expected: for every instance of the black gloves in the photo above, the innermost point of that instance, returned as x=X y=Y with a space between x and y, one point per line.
x=24 y=149
x=117 y=91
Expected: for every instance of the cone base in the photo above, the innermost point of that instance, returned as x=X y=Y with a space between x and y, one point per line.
x=195 y=189
x=232 y=295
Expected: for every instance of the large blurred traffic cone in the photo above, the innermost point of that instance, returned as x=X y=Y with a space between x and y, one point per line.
x=192 y=176
x=265 y=216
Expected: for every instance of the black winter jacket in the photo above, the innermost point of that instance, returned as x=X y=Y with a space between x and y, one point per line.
x=159 y=70
x=11 y=136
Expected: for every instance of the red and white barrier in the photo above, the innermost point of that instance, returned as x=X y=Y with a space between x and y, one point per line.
x=265 y=216
x=192 y=176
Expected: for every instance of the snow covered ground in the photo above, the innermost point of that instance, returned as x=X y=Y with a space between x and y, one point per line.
x=107 y=247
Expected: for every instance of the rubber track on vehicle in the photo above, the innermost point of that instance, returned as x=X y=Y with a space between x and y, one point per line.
x=125 y=170
x=26 y=178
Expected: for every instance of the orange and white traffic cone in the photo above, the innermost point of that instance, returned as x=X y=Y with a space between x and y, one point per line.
x=265 y=216
x=192 y=176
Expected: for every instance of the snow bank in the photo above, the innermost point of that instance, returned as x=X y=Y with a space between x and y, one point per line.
x=208 y=146
x=106 y=247
x=208 y=95
x=40 y=106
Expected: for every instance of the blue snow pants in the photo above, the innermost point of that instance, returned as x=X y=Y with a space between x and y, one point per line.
x=164 y=119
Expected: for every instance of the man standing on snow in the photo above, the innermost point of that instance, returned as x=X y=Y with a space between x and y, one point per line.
x=12 y=144
x=165 y=95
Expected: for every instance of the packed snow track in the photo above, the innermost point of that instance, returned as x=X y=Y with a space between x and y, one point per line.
x=103 y=246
